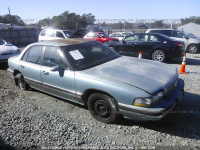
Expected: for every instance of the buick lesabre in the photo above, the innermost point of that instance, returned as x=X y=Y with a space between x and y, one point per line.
x=89 y=73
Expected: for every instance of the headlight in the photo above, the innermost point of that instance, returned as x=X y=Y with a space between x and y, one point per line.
x=148 y=101
x=143 y=102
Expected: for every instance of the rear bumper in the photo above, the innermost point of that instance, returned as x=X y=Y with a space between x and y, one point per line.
x=156 y=112
x=176 y=53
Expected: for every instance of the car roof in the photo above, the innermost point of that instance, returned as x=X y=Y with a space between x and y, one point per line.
x=63 y=42
x=160 y=29
x=55 y=29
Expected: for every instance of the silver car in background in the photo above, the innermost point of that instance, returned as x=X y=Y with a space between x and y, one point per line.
x=91 y=74
x=192 y=44
x=120 y=35
x=7 y=50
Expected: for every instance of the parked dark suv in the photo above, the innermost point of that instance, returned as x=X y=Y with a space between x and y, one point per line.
x=154 y=46
x=192 y=44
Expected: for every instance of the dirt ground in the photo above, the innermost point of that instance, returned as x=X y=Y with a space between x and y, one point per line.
x=34 y=120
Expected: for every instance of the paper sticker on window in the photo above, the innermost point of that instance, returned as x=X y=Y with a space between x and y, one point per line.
x=76 y=54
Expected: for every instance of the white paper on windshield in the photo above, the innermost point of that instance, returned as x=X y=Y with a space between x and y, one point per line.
x=76 y=54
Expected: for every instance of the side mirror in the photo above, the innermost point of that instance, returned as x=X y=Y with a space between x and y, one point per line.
x=56 y=68
x=186 y=37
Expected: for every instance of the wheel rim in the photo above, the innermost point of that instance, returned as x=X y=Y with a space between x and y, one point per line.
x=102 y=109
x=158 y=56
x=192 y=49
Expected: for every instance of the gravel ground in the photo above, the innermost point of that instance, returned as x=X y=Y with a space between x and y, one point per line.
x=34 y=120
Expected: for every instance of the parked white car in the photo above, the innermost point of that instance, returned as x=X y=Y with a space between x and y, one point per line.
x=192 y=44
x=120 y=35
x=53 y=34
x=7 y=50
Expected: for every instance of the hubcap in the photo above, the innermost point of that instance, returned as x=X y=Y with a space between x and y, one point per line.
x=192 y=49
x=102 y=109
x=159 y=56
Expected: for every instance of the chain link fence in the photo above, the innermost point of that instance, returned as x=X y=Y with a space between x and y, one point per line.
x=20 y=36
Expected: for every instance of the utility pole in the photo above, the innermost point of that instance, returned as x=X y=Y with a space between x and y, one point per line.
x=11 y=24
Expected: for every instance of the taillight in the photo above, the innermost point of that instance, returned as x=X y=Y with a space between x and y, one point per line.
x=178 y=44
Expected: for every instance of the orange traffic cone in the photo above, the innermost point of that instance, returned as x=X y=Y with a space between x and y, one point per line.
x=182 y=69
x=140 y=55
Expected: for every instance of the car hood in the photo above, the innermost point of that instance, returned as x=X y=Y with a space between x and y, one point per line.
x=7 y=48
x=147 y=75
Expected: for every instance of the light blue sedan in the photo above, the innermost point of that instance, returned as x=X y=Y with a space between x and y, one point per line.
x=91 y=74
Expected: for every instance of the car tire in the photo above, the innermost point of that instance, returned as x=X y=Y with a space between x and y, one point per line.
x=103 y=108
x=158 y=55
x=192 y=48
x=20 y=82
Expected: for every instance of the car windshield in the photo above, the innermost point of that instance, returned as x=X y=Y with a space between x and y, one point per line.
x=103 y=34
x=87 y=55
x=2 y=41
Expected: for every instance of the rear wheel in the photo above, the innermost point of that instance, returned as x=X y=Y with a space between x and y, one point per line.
x=192 y=48
x=158 y=55
x=103 y=108
x=20 y=82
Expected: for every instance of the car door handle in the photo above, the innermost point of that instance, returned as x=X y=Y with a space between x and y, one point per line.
x=22 y=66
x=45 y=73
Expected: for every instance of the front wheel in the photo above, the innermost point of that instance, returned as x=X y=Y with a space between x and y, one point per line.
x=192 y=48
x=158 y=55
x=103 y=108
x=20 y=82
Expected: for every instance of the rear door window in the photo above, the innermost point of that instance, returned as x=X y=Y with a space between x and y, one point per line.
x=145 y=38
x=34 y=55
x=153 y=38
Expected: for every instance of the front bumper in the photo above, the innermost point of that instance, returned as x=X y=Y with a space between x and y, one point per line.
x=157 y=111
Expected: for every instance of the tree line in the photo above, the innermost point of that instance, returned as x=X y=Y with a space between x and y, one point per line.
x=66 y=20
x=73 y=21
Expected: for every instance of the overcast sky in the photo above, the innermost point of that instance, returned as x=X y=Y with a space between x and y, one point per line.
x=103 y=9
